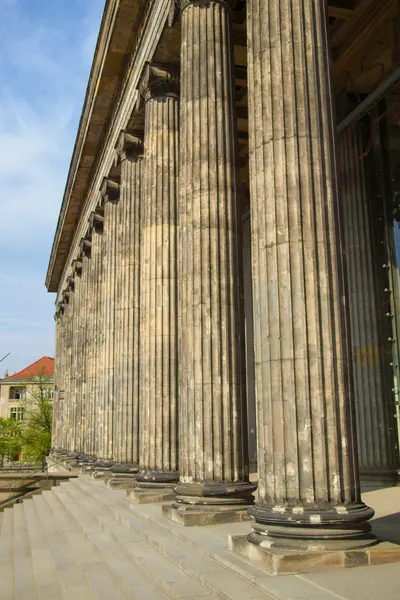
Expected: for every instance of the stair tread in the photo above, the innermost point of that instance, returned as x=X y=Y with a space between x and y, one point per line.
x=134 y=579
x=100 y=578
x=70 y=573
x=173 y=581
x=7 y=555
x=45 y=573
x=213 y=575
x=24 y=576
x=211 y=542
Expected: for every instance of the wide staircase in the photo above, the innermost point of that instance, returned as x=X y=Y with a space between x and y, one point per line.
x=83 y=541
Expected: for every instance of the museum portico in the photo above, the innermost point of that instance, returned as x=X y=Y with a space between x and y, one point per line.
x=225 y=262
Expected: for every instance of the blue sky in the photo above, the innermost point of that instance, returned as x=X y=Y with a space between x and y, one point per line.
x=46 y=50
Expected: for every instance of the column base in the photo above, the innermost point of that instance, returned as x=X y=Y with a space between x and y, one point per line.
x=211 y=503
x=377 y=479
x=286 y=562
x=122 y=476
x=149 y=479
x=190 y=515
x=102 y=469
x=216 y=493
x=120 y=482
x=151 y=494
x=312 y=527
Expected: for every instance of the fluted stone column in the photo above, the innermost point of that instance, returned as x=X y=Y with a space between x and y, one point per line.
x=370 y=325
x=110 y=196
x=126 y=426
x=57 y=423
x=79 y=333
x=307 y=455
x=85 y=248
x=96 y=228
x=158 y=447
x=68 y=414
x=90 y=299
x=77 y=271
x=67 y=372
x=213 y=446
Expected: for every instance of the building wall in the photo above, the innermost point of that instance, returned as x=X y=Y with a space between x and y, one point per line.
x=6 y=404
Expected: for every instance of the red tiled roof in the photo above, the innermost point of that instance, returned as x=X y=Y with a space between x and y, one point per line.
x=44 y=366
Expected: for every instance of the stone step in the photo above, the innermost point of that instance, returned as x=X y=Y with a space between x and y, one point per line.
x=202 y=539
x=99 y=577
x=7 y=555
x=138 y=585
x=213 y=543
x=46 y=577
x=222 y=582
x=24 y=575
x=72 y=579
x=166 y=575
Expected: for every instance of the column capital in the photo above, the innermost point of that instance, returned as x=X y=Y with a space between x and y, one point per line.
x=129 y=146
x=76 y=268
x=159 y=81
x=184 y=4
x=96 y=222
x=109 y=190
x=85 y=247
x=71 y=284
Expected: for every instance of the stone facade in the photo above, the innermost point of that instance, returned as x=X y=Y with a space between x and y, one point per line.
x=225 y=108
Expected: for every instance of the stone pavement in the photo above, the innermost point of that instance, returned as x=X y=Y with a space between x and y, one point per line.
x=82 y=540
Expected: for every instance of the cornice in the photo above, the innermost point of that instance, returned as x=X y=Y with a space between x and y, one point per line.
x=151 y=31
x=118 y=42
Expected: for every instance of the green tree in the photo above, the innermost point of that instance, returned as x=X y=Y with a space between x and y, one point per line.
x=36 y=429
x=10 y=440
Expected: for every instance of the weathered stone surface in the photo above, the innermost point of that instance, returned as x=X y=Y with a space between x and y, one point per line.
x=307 y=457
x=158 y=449
x=370 y=322
x=290 y=563
x=127 y=325
x=110 y=195
x=211 y=383
x=194 y=516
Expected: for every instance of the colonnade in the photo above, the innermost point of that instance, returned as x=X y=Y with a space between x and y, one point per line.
x=149 y=363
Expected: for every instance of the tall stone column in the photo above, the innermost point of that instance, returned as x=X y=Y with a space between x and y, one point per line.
x=85 y=248
x=370 y=326
x=57 y=423
x=130 y=157
x=307 y=456
x=158 y=447
x=110 y=198
x=96 y=221
x=67 y=371
x=77 y=271
x=213 y=446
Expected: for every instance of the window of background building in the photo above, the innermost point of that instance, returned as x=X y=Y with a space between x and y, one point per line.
x=17 y=413
x=17 y=393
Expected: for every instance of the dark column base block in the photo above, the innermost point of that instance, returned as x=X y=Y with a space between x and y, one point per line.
x=190 y=515
x=313 y=527
x=216 y=493
x=156 y=479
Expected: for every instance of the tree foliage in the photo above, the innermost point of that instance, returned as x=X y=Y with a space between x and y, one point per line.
x=36 y=429
x=10 y=440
